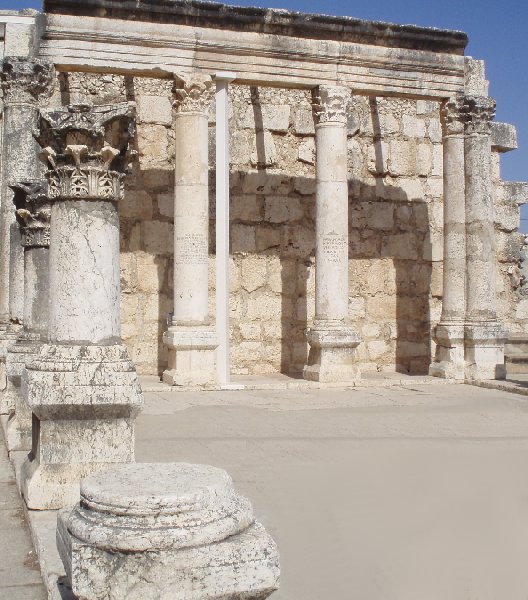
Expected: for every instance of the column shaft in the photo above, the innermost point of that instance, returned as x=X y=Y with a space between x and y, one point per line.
x=191 y=219
x=484 y=334
x=191 y=340
x=332 y=341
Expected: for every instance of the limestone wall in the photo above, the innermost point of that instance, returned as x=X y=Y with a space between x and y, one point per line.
x=395 y=167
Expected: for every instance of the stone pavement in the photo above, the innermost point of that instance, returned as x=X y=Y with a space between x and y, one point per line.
x=19 y=571
x=402 y=493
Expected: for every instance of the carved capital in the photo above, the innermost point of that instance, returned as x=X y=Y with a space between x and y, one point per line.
x=87 y=149
x=479 y=112
x=24 y=79
x=194 y=94
x=452 y=115
x=330 y=103
x=33 y=212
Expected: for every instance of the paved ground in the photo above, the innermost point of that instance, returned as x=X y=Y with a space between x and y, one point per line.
x=404 y=493
x=377 y=494
x=19 y=572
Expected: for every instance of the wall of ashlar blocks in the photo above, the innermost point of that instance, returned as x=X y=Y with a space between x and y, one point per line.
x=395 y=224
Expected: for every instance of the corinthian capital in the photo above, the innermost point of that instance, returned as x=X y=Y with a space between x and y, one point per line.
x=193 y=94
x=330 y=103
x=25 y=79
x=479 y=112
x=87 y=149
x=33 y=212
x=453 y=116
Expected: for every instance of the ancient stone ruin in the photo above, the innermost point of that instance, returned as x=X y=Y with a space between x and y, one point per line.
x=194 y=191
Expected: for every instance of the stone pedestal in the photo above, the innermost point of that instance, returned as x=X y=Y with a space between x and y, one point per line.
x=33 y=212
x=485 y=335
x=190 y=339
x=332 y=340
x=449 y=334
x=24 y=81
x=82 y=388
x=192 y=355
x=166 y=532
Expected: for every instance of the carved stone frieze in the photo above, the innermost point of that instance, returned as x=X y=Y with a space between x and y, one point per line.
x=479 y=112
x=87 y=149
x=33 y=213
x=330 y=103
x=194 y=94
x=452 y=115
x=25 y=79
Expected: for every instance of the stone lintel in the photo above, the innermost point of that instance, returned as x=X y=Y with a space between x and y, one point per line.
x=503 y=137
x=268 y=21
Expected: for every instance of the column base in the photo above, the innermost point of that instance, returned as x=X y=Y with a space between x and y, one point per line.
x=450 y=354
x=485 y=350
x=192 y=356
x=84 y=401
x=332 y=354
x=20 y=420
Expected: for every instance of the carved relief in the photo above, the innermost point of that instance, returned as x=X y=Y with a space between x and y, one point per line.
x=87 y=149
x=330 y=104
x=25 y=79
x=33 y=213
x=452 y=115
x=194 y=94
x=479 y=112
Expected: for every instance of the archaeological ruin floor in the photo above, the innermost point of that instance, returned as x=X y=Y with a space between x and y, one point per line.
x=405 y=492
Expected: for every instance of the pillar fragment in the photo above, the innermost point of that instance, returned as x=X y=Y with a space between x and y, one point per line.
x=24 y=82
x=484 y=333
x=191 y=339
x=82 y=388
x=33 y=214
x=332 y=340
x=449 y=334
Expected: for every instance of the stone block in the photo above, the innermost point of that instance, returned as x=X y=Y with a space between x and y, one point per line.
x=280 y=209
x=378 y=157
x=243 y=238
x=264 y=306
x=424 y=158
x=253 y=273
x=503 y=137
x=303 y=123
x=166 y=205
x=402 y=158
x=425 y=107
x=153 y=146
x=158 y=237
x=265 y=116
x=154 y=109
x=434 y=130
x=507 y=217
x=150 y=272
x=515 y=191
x=306 y=152
x=266 y=182
x=245 y=208
x=267 y=238
x=263 y=151
x=136 y=204
x=166 y=531
x=413 y=127
x=241 y=147
x=476 y=83
x=304 y=185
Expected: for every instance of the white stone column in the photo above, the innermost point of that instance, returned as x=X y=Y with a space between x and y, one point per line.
x=449 y=334
x=332 y=340
x=83 y=389
x=24 y=81
x=191 y=339
x=485 y=334
x=34 y=213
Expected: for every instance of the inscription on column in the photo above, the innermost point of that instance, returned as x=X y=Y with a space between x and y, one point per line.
x=334 y=248
x=191 y=249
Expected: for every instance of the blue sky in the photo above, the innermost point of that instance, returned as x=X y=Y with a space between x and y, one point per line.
x=497 y=34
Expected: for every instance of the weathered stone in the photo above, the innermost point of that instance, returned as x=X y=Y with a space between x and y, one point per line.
x=163 y=531
x=503 y=137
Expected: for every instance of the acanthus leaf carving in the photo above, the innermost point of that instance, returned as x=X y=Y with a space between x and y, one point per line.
x=25 y=79
x=193 y=94
x=452 y=114
x=331 y=103
x=33 y=213
x=479 y=112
